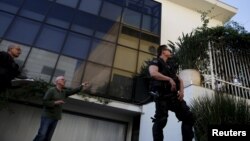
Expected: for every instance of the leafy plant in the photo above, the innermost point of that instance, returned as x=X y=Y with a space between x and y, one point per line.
x=31 y=91
x=218 y=109
x=192 y=48
x=36 y=91
x=192 y=51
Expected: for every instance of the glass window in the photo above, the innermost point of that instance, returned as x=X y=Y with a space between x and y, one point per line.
x=149 y=43
x=60 y=15
x=35 y=9
x=102 y=52
x=51 y=38
x=70 y=3
x=107 y=30
x=39 y=62
x=151 y=24
x=131 y=18
x=121 y=84
x=90 y=6
x=125 y=59
x=118 y=2
x=72 y=70
x=111 y=11
x=136 y=5
x=129 y=37
x=77 y=46
x=82 y=25
x=5 y=22
x=98 y=76
x=142 y=58
x=10 y=5
x=152 y=8
x=23 y=31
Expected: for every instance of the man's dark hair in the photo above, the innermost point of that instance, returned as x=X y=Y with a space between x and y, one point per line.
x=160 y=49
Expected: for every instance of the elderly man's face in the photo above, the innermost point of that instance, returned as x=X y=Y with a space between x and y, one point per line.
x=15 y=51
x=61 y=82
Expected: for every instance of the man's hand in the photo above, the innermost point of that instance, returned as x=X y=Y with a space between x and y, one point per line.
x=180 y=95
x=59 y=102
x=173 y=84
x=85 y=84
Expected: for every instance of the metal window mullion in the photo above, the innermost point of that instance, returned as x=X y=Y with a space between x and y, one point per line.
x=64 y=41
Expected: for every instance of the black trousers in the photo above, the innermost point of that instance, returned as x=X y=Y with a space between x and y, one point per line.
x=182 y=112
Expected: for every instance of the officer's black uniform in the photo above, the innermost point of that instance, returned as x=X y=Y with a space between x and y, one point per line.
x=8 y=70
x=167 y=100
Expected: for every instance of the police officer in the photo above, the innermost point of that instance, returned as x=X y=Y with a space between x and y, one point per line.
x=168 y=92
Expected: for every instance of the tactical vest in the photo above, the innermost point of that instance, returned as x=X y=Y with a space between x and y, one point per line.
x=168 y=69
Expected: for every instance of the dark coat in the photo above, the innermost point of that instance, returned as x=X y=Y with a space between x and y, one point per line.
x=8 y=69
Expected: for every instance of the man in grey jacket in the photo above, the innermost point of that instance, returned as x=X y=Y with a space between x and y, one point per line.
x=52 y=112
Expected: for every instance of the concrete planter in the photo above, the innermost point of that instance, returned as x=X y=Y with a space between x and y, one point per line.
x=190 y=76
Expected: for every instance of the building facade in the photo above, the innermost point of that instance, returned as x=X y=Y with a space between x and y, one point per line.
x=104 y=42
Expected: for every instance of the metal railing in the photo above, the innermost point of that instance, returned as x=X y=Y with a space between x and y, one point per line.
x=230 y=71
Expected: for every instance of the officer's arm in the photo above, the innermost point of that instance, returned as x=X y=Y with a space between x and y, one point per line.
x=154 y=73
x=181 y=91
x=73 y=91
x=181 y=85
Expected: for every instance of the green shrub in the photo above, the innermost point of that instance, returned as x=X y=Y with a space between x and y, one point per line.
x=218 y=109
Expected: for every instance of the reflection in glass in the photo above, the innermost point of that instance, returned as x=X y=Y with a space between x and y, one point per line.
x=121 y=84
x=5 y=22
x=118 y=2
x=102 y=52
x=76 y=46
x=56 y=17
x=82 y=25
x=35 y=9
x=114 y=14
x=149 y=43
x=40 y=67
x=142 y=58
x=136 y=5
x=70 y=3
x=10 y=5
x=107 y=30
x=125 y=59
x=90 y=6
x=151 y=24
x=72 y=68
x=129 y=37
x=131 y=18
x=51 y=38
x=23 y=31
x=98 y=76
x=152 y=8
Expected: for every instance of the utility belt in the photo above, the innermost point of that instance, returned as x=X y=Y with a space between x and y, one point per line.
x=163 y=88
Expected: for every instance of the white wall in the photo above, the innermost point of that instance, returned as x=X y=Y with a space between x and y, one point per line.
x=24 y=122
x=177 y=20
x=172 y=131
